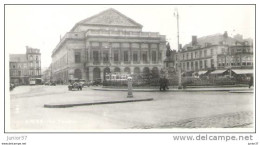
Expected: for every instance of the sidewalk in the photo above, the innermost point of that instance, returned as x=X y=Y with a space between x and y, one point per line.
x=229 y=89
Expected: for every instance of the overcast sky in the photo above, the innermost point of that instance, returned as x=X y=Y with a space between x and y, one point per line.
x=40 y=26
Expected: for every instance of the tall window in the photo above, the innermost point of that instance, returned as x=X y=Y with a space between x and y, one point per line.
x=160 y=56
x=196 y=54
x=192 y=65
x=188 y=65
x=191 y=55
x=145 y=57
x=77 y=57
x=212 y=63
x=116 y=58
x=211 y=52
x=196 y=65
x=95 y=56
x=200 y=53
x=201 y=64
x=154 y=56
x=205 y=53
x=135 y=57
x=205 y=64
x=187 y=55
x=125 y=55
x=105 y=56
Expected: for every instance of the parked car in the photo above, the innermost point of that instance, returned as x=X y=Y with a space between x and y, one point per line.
x=82 y=82
x=52 y=84
x=97 y=82
x=47 y=83
x=75 y=85
x=88 y=83
x=12 y=86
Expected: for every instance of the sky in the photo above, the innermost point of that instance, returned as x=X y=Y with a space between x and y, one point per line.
x=41 y=26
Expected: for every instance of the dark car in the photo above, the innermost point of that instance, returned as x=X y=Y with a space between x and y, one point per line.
x=52 y=84
x=12 y=86
x=47 y=83
x=97 y=82
x=75 y=85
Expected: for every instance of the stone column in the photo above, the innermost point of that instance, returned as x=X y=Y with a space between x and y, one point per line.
x=90 y=73
x=149 y=53
x=102 y=73
x=131 y=53
x=120 y=54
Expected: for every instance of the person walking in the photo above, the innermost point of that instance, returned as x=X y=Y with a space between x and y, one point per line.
x=251 y=81
x=161 y=83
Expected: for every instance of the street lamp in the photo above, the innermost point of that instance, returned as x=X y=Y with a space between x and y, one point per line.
x=178 y=54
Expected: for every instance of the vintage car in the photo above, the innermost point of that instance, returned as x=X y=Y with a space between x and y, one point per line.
x=12 y=86
x=75 y=86
x=97 y=82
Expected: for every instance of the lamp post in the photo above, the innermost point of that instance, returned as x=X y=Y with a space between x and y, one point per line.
x=178 y=54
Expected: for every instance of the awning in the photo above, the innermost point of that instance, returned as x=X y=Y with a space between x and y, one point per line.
x=218 y=72
x=201 y=72
x=243 y=71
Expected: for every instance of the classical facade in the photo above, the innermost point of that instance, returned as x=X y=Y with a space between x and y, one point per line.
x=25 y=66
x=217 y=52
x=104 y=43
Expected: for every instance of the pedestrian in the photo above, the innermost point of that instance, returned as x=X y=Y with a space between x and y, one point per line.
x=250 y=82
x=161 y=83
x=166 y=84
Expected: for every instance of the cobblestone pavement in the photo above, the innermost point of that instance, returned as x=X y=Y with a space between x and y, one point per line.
x=229 y=120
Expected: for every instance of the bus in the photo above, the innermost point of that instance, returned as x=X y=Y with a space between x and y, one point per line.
x=117 y=77
x=35 y=81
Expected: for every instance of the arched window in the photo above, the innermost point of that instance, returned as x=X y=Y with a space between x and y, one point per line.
x=117 y=69
x=127 y=70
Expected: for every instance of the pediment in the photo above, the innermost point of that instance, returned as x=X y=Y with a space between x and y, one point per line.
x=111 y=17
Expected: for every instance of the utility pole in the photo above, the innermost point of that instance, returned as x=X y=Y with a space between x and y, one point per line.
x=178 y=54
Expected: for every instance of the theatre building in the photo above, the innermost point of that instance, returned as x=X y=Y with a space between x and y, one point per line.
x=104 y=43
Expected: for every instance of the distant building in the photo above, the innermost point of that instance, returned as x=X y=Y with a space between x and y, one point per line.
x=104 y=43
x=25 y=66
x=46 y=74
x=217 y=51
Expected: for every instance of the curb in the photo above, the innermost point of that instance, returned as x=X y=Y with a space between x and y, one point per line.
x=170 y=90
x=94 y=103
x=241 y=91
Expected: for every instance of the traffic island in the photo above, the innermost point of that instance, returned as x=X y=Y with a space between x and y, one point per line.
x=127 y=100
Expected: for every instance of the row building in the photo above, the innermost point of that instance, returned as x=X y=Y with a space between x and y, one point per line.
x=104 y=43
x=217 y=52
x=22 y=67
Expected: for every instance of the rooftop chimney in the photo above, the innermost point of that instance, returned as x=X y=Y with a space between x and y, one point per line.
x=225 y=34
x=194 y=40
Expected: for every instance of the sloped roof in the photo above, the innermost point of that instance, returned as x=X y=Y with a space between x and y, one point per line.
x=110 y=17
x=214 y=39
x=17 y=58
x=218 y=71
